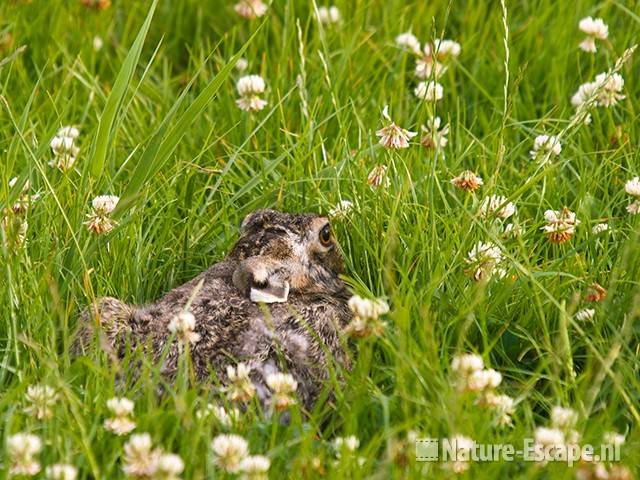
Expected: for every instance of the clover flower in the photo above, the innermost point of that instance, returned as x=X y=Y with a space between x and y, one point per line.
x=496 y=205
x=345 y=445
x=242 y=64
x=64 y=148
x=429 y=91
x=502 y=404
x=613 y=438
x=585 y=314
x=466 y=364
x=563 y=418
x=435 y=56
x=250 y=9
x=99 y=219
x=283 y=386
x=392 y=136
x=250 y=87
x=169 y=467
x=483 y=260
x=255 y=467
x=435 y=137
x=224 y=417
x=229 y=451
x=549 y=439
x=24 y=200
x=342 y=209
x=183 y=325
x=41 y=399
x=409 y=41
x=328 y=15
x=583 y=94
x=546 y=144
x=594 y=28
x=481 y=380
x=61 y=471
x=240 y=389
x=632 y=187
x=467 y=180
x=367 y=313
x=378 y=177
x=21 y=450
x=97 y=43
x=609 y=88
x=122 y=410
x=561 y=225
x=140 y=458
x=599 y=228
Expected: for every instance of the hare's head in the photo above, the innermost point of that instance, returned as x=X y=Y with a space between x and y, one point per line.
x=282 y=252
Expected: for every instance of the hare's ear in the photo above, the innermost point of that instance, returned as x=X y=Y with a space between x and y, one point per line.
x=256 y=219
x=258 y=279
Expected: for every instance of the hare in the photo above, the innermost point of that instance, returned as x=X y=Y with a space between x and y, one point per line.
x=276 y=303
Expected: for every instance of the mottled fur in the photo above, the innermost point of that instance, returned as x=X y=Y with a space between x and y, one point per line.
x=293 y=336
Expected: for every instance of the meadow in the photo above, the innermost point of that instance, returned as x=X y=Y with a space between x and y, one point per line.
x=504 y=237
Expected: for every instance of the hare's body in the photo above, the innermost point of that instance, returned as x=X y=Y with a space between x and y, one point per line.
x=294 y=325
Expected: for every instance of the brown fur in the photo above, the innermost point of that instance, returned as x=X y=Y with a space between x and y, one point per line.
x=297 y=336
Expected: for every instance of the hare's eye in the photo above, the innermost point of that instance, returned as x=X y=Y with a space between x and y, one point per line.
x=325 y=235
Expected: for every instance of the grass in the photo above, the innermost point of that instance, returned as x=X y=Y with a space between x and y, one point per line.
x=160 y=128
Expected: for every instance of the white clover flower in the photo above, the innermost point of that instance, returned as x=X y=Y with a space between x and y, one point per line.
x=468 y=181
x=250 y=9
x=41 y=399
x=511 y=230
x=443 y=49
x=599 y=228
x=563 y=418
x=609 y=88
x=584 y=93
x=634 y=208
x=480 y=380
x=283 y=386
x=224 y=417
x=363 y=307
x=97 y=43
x=140 y=459
x=392 y=136
x=435 y=138
x=378 y=177
x=105 y=204
x=21 y=450
x=502 y=404
x=496 y=205
x=483 y=260
x=183 y=325
x=549 y=437
x=426 y=67
x=328 y=15
x=242 y=64
x=560 y=225
x=169 y=467
x=546 y=144
x=594 y=28
x=408 y=40
x=64 y=148
x=585 y=314
x=249 y=88
x=255 y=467
x=240 y=388
x=466 y=364
x=632 y=187
x=345 y=445
x=342 y=209
x=429 y=91
x=99 y=221
x=122 y=410
x=230 y=450
x=61 y=471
